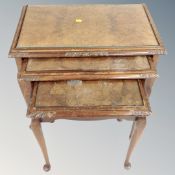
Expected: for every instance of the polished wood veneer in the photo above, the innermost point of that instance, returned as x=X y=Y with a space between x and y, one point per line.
x=89 y=64
x=78 y=93
x=114 y=27
x=88 y=100
x=88 y=68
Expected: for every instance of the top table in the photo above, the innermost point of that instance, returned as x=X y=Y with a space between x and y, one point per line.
x=85 y=30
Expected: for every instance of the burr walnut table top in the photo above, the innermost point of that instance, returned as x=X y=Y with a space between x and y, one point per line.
x=108 y=25
x=75 y=30
x=89 y=64
x=77 y=93
x=92 y=98
x=118 y=67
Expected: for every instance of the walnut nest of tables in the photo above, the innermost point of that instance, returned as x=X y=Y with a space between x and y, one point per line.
x=86 y=62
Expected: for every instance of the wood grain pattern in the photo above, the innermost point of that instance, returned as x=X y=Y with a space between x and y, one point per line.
x=88 y=68
x=89 y=64
x=101 y=26
x=77 y=93
x=48 y=104
x=105 y=30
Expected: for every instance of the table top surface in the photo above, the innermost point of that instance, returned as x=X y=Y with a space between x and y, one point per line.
x=77 y=93
x=88 y=64
x=101 y=27
x=84 y=99
x=87 y=26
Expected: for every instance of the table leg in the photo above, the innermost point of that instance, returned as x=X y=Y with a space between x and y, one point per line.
x=139 y=125
x=132 y=129
x=26 y=88
x=37 y=130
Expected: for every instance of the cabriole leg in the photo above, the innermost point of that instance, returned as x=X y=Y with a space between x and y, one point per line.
x=132 y=129
x=37 y=130
x=138 y=128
